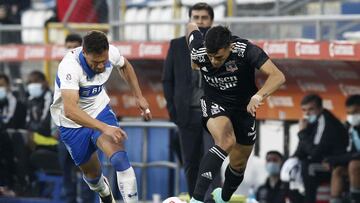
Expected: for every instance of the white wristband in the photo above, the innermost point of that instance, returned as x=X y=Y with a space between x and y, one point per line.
x=257 y=97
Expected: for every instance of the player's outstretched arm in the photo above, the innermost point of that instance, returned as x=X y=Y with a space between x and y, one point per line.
x=189 y=29
x=128 y=73
x=273 y=82
x=73 y=112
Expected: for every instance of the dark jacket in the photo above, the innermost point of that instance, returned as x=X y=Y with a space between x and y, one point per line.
x=351 y=152
x=12 y=112
x=326 y=137
x=177 y=81
x=38 y=117
x=267 y=194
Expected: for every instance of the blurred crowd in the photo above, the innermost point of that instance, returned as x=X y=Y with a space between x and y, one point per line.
x=328 y=154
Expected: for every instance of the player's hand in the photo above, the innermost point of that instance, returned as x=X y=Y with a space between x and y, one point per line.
x=144 y=108
x=116 y=133
x=255 y=102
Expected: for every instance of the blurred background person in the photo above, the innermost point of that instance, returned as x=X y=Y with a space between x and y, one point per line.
x=12 y=147
x=321 y=134
x=69 y=169
x=10 y=14
x=273 y=190
x=38 y=122
x=347 y=165
x=183 y=88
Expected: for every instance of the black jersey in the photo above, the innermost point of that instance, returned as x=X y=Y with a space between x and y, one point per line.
x=233 y=84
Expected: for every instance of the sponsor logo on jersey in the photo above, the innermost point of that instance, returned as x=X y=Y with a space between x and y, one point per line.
x=222 y=83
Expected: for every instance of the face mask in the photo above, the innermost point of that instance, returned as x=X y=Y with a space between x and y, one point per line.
x=35 y=89
x=203 y=30
x=353 y=119
x=273 y=168
x=2 y=93
x=311 y=118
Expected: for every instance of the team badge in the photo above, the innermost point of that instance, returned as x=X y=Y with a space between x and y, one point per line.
x=68 y=77
x=231 y=66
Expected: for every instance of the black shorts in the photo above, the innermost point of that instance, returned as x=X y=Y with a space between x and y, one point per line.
x=242 y=121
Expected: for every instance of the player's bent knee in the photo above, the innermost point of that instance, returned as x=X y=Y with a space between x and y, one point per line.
x=239 y=165
x=119 y=160
x=227 y=143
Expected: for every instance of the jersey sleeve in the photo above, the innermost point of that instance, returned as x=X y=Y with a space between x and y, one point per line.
x=115 y=58
x=255 y=56
x=197 y=48
x=68 y=76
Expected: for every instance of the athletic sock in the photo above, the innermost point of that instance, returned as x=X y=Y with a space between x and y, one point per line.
x=209 y=167
x=98 y=185
x=127 y=185
x=232 y=181
x=125 y=177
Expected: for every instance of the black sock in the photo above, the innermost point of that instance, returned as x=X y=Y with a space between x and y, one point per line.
x=209 y=167
x=355 y=197
x=232 y=181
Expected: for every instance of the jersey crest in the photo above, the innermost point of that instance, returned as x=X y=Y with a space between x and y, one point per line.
x=231 y=66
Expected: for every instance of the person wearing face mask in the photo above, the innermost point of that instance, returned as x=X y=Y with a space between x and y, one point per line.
x=347 y=164
x=38 y=122
x=12 y=116
x=321 y=135
x=274 y=190
x=183 y=89
x=38 y=119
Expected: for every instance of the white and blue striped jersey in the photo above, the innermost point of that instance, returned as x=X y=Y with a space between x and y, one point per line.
x=74 y=73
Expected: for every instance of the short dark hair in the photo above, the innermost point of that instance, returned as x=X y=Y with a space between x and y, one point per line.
x=5 y=77
x=73 y=37
x=276 y=153
x=39 y=75
x=202 y=6
x=216 y=38
x=353 y=100
x=312 y=98
x=95 y=42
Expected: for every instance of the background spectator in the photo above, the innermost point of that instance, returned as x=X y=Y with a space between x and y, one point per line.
x=348 y=164
x=321 y=134
x=273 y=190
x=12 y=146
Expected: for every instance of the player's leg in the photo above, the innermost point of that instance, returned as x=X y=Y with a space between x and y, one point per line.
x=78 y=142
x=245 y=132
x=95 y=179
x=222 y=131
x=234 y=173
x=125 y=173
x=208 y=142
x=118 y=158
x=354 y=176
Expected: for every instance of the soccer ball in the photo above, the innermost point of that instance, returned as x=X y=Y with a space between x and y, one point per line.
x=173 y=200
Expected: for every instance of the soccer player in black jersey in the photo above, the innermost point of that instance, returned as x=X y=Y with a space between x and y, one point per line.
x=229 y=104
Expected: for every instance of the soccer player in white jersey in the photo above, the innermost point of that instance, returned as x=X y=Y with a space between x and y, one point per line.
x=86 y=122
